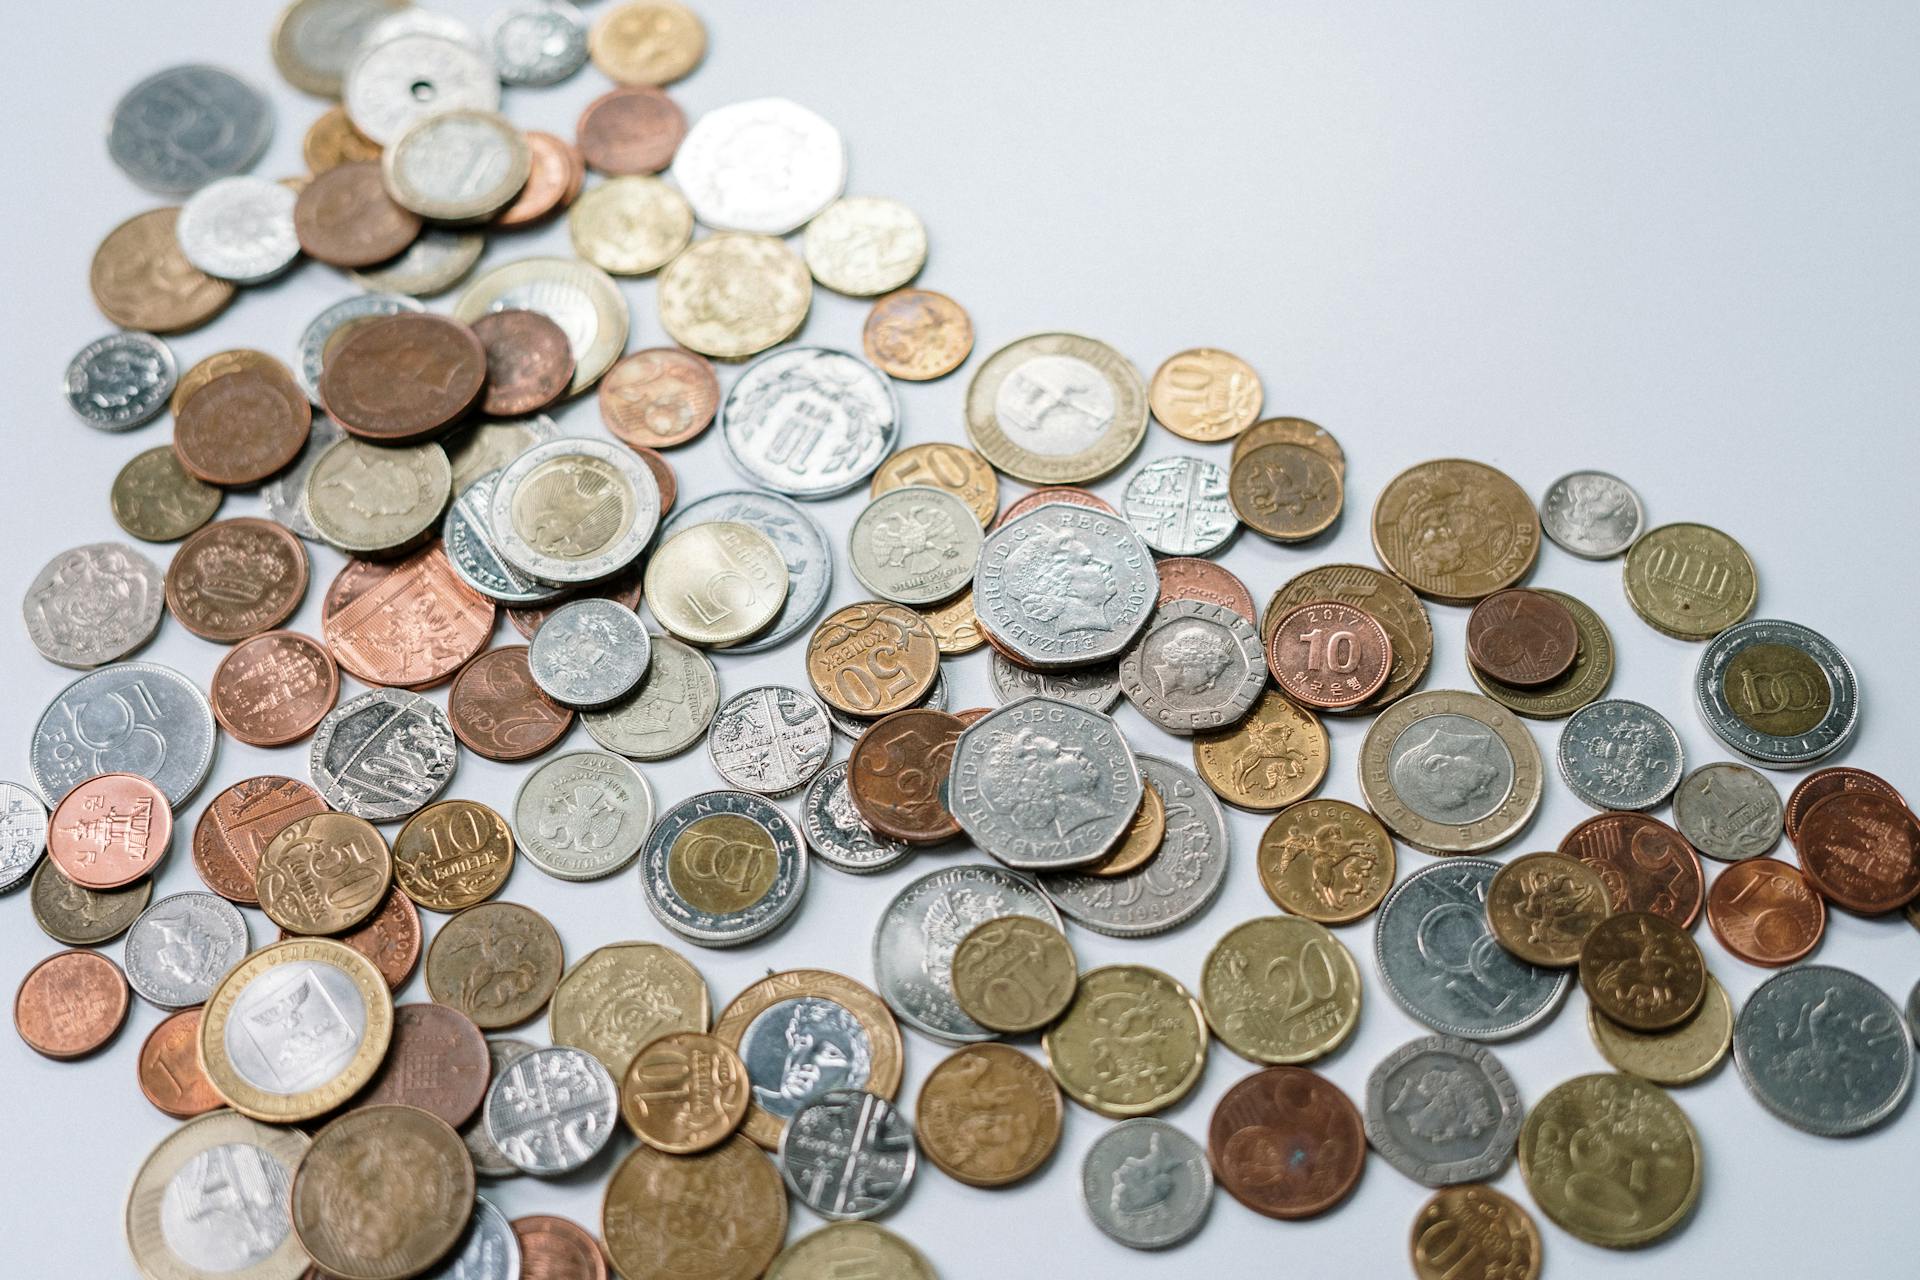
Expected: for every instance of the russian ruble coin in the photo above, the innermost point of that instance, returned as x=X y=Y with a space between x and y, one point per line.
x=1197 y=668
x=140 y=279
x=872 y=659
x=1179 y=506
x=631 y=225
x=724 y=1208
x=1064 y=587
x=1824 y=1049
x=765 y=166
x=1584 y=682
x=384 y=755
x=185 y=127
x=1679 y=1056
x=1132 y=1043
x=457 y=166
x=1592 y=514
x=770 y=739
x=368 y=499
x=579 y=297
x=1096 y=688
x=156 y=500
x=392 y=83
x=836 y=832
x=438 y=259
x=622 y=997
x=724 y=868
x=955 y=468
x=1443 y=1111
x=1056 y=408
x=1620 y=754
x=848 y=1155
x=1690 y=581
x=328 y=330
x=717 y=583
x=324 y=874
x=590 y=652
x=466 y=534
x=181 y=946
x=489 y=1251
x=211 y=1199
x=1456 y=531
x=731 y=296
x=1474 y=1231
x=840 y=1245
x=553 y=1110
x=1450 y=772
x=454 y=855
x=1281 y=990
x=239 y=229
x=1205 y=395
x=917 y=334
x=285 y=496
x=94 y=604
x=1146 y=1184
x=1044 y=785
x=799 y=538
x=538 y=42
x=583 y=815
x=811 y=422
x=668 y=713
x=23 y=834
x=1612 y=1159
x=1728 y=811
x=131 y=717
x=864 y=246
x=384 y=1192
x=915 y=545
x=573 y=511
x=121 y=381
x=1780 y=694
x=79 y=916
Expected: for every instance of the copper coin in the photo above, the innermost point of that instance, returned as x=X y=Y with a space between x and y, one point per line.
x=551 y=183
x=1472 y=1232
x=1766 y=912
x=1647 y=865
x=557 y=1249
x=1072 y=495
x=239 y=824
x=142 y=280
x=973 y=715
x=170 y=1072
x=236 y=578
x=402 y=378
x=498 y=711
x=274 y=688
x=332 y=139
x=685 y=1092
x=1821 y=783
x=437 y=1062
x=1286 y=1142
x=1329 y=654
x=631 y=130
x=390 y=938
x=988 y=1115
x=897 y=774
x=663 y=477
x=71 y=1004
x=624 y=589
x=917 y=334
x=242 y=427
x=529 y=362
x=110 y=830
x=1522 y=637
x=407 y=624
x=1861 y=850
x=1190 y=578
x=219 y=365
x=659 y=398
x=345 y=217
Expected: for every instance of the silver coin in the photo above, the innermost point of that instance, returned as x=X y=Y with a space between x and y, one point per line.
x=848 y=1154
x=413 y=21
x=1198 y=667
x=1180 y=507
x=1441 y=963
x=1442 y=1111
x=915 y=545
x=23 y=834
x=94 y=604
x=540 y=42
x=810 y=422
x=798 y=1049
x=1146 y=1184
x=1180 y=882
x=121 y=381
x=1592 y=514
x=466 y=533
x=1043 y=785
x=572 y=470
x=914 y=942
x=765 y=165
x=582 y=815
x=181 y=946
x=321 y=329
x=239 y=229
x=668 y=713
x=1619 y=754
x=770 y=739
x=836 y=832
x=1824 y=1049
x=314 y=40
x=395 y=82
x=184 y=127
x=296 y=1027
x=1065 y=586
x=1784 y=711
x=589 y=652
x=132 y=717
x=853 y=726
x=487 y=1160
x=1095 y=688
x=460 y=167
x=438 y=259
x=802 y=544
x=285 y=496
x=1728 y=811
x=712 y=884
x=1913 y=1010
x=552 y=1110
x=489 y=1251
x=383 y=755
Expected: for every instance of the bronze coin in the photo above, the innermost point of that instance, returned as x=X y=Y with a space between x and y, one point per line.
x=917 y=334
x=1821 y=783
x=1522 y=637
x=623 y=589
x=685 y=1092
x=551 y=184
x=383 y=1193
x=324 y=874
x=70 y=1004
x=554 y=1248
x=171 y=1076
x=1473 y=1232
x=1139 y=844
x=110 y=831
x=219 y=365
x=1328 y=654
x=529 y=362
x=236 y=578
x=1286 y=492
x=1766 y=912
x=332 y=140
x=437 y=1061
x=142 y=280
x=897 y=775
x=390 y=938
x=1071 y=495
x=497 y=710
x=1190 y=578
x=973 y=715
x=631 y=130
x=452 y=855
x=274 y=688
x=663 y=477
x=1648 y=866
x=872 y=658
x=1286 y=1142
x=719 y=1215
x=242 y=427
x=988 y=1115
x=1642 y=972
x=405 y=377
x=345 y=218
x=498 y=963
x=82 y=917
x=239 y=823
x=659 y=398
x=1861 y=850
x=406 y=624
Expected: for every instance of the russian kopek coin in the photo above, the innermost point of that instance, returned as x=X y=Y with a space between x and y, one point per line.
x=538 y=42
x=915 y=545
x=1592 y=514
x=573 y=511
x=383 y=755
x=132 y=717
x=765 y=165
x=212 y=1200
x=181 y=946
x=853 y=726
x=1180 y=507
x=836 y=832
x=23 y=834
x=182 y=128
x=489 y=1250
x=810 y=422
x=1441 y=963
x=589 y=653
x=1146 y=1184
x=553 y=1110
x=327 y=330
x=1728 y=811
x=583 y=815
x=394 y=82
x=724 y=868
x=94 y=604
x=1824 y=1049
x=240 y=229
x=1199 y=667
x=668 y=713
x=121 y=381
x=1778 y=693
x=770 y=739
x=1450 y=772
x=799 y=538
x=1443 y=1110
x=1065 y=587
x=467 y=535
x=1620 y=754
x=1056 y=408
x=1095 y=688
x=848 y=1154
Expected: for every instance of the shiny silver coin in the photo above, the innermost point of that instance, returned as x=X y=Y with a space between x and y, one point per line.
x=915 y=545
x=1198 y=667
x=798 y=536
x=1728 y=811
x=668 y=713
x=1146 y=1184
x=239 y=229
x=914 y=942
x=121 y=381
x=285 y=496
x=810 y=422
x=132 y=717
x=853 y=726
x=1095 y=688
x=770 y=739
x=836 y=832
x=1792 y=700
x=1179 y=506
x=395 y=82
x=1619 y=754
x=284 y=1054
x=1592 y=514
x=181 y=946
x=573 y=511
x=23 y=834
x=489 y=1251
x=539 y=42
x=766 y=165
x=1441 y=963
x=384 y=755
x=94 y=604
x=589 y=652
x=1043 y=785
x=466 y=534
x=488 y=1162
x=412 y=21
x=798 y=1049
x=320 y=332
x=1442 y=1111
x=1824 y=1049
x=1065 y=587
x=182 y=128
x=848 y=1154
x=552 y=1110
x=723 y=868
x=438 y=259
x=582 y=815
x=1180 y=882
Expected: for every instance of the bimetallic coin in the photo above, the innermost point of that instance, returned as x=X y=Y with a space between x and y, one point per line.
x=859 y=1245
x=1095 y=688
x=725 y=1209
x=1455 y=530
x=1585 y=680
x=82 y=917
x=1542 y=906
x=1179 y=506
x=94 y=604
x=1014 y=973
x=848 y=1155
x=553 y=1110
x=1778 y=693
x=1645 y=863
x=1592 y=514
x=23 y=833
x=212 y=1200
x=466 y=535
x=184 y=127
x=486 y=446
x=156 y=500
x=383 y=1193
x=323 y=874
x=670 y=710
x=1146 y=1184
x=685 y=1092
x=1443 y=1111
x=723 y=868
x=1064 y=586
x=838 y=835
x=1642 y=971
x=1281 y=990
x=631 y=225
x=1387 y=599
x=1287 y=1143
x=582 y=299
x=770 y=739
x=131 y=717
x=497 y=962
x=1198 y=667
x=1689 y=581
x=1044 y=785
x=1450 y=772
x=624 y=996
x=456 y=166
x=915 y=545
x=1612 y=1159
x=590 y=652
x=121 y=381
x=1275 y=757
x=383 y=755
x=574 y=511
x=583 y=815
x=1474 y=1232
x=1133 y=1042
x=1327 y=860
x=1056 y=408
x=1205 y=395
x=1728 y=811
x=376 y=500
x=988 y=1116
x=717 y=583
x=1681 y=1056
x=812 y=422
x=765 y=165
x=800 y=540
x=1619 y=754
x=392 y=83
x=181 y=946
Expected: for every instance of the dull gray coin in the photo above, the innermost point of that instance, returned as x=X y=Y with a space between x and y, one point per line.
x=668 y=713
x=131 y=717
x=121 y=381
x=184 y=127
x=1824 y=1049
x=467 y=536
x=1592 y=514
x=1443 y=1110
x=285 y=496
x=181 y=946
x=589 y=652
x=1728 y=811
x=915 y=545
x=538 y=42
x=1619 y=754
x=94 y=604
x=810 y=422
x=383 y=755
x=848 y=1154
x=583 y=815
x=1146 y=1184
x=489 y=1251
x=1095 y=688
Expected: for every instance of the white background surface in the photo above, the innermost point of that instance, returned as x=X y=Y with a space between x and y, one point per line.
x=1675 y=246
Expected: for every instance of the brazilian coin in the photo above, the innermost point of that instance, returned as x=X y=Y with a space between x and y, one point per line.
x=1778 y=693
x=1824 y=1049
x=1456 y=531
x=1443 y=1111
x=723 y=868
x=1056 y=408
x=1620 y=754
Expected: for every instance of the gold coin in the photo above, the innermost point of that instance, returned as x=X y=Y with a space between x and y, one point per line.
x=848 y=1251
x=324 y=874
x=1473 y=1232
x=956 y=628
x=1286 y=492
x=1584 y=682
x=497 y=962
x=718 y=1215
x=1643 y=971
x=1450 y=772
x=1612 y=1159
x=142 y=280
x=83 y=917
x=917 y=334
x=864 y=246
x=311 y=1021
x=1690 y=581
x=453 y=854
x=1327 y=860
x=1205 y=395
x=1310 y=435
x=1056 y=408
x=1385 y=597
x=1777 y=689
x=219 y=365
x=1014 y=974
x=1133 y=1042
x=217 y=1154
x=1676 y=1057
x=626 y=995
x=988 y=1115
x=1456 y=531
x=1274 y=757
x=1542 y=906
x=1141 y=841
x=155 y=500
x=1281 y=989
x=723 y=883
x=872 y=659
x=685 y=1092
x=733 y=295
x=383 y=1193
x=647 y=42
x=952 y=467
x=332 y=141
x=716 y=583
x=630 y=226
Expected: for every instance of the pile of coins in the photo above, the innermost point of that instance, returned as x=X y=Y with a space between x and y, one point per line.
x=329 y=1126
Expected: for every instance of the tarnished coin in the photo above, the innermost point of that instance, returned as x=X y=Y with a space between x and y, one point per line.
x=1179 y=506
x=131 y=717
x=1299 y=431
x=553 y=1110
x=770 y=739
x=1456 y=531
x=659 y=398
x=242 y=427
x=579 y=297
x=1766 y=912
x=93 y=604
x=1329 y=655
x=1056 y=408
x=121 y=381
x=141 y=280
x=529 y=362
x=838 y=835
x=1327 y=860
x=23 y=833
x=733 y=1234
x=684 y=1092
x=917 y=545
x=732 y=296
x=1583 y=682
x=630 y=130
x=1286 y=492
x=1205 y=395
x=70 y=1005
x=1474 y=1233
x=670 y=710
x=898 y=773
x=583 y=815
x=1146 y=1184
x=390 y=937
x=1443 y=1111
x=647 y=42
x=1064 y=587
x=346 y=218
x=1824 y=1049
x=181 y=946
x=1281 y=989
x=717 y=583
x=1821 y=783
x=1275 y=757
x=391 y=83
x=1687 y=1053
x=438 y=1061
x=589 y=652
x=538 y=42
x=1522 y=637
x=1645 y=863
x=1728 y=811
x=1197 y=668
x=82 y=917
x=1778 y=693
x=368 y=499
x=723 y=868
x=840 y=1245
x=765 y=165
x=182 y=128
x=988 y=1116
x=872 y=659
x=848 y=1155
x=558 y=1248
x=865 y=245
x=410 y=623
x=383 y=755
x=632 y=226
x=383 y=1193
x=496 y=709
x=1188 y=578
x=1542 y=906
x=1625 y=1139
x=1387 y=599
x=110 y=830
x=1592 y=514
x=401 y=378
x=1450 y=772
x=1014 y=973
x=1095 y=688
x=452 y=855
x=497 y=962
x=212 y=1200
x=1044 y=785
x=1860 y=849
x=1642 y=971
x=156 y=500
x=621 y=997
x=239 y=229
x=1689 y=581
x=1620 y=754
x=1133 y=1042
x=1287 y=1143
x=917 y=334
x=323 y=874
